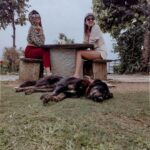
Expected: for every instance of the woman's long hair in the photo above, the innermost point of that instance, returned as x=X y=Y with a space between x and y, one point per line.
x=86 y=28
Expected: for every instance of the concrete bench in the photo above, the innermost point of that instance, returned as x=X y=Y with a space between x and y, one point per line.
x=30 y=69
x=96 y=68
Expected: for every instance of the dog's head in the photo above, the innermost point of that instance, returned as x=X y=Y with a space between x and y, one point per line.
x=98 y=91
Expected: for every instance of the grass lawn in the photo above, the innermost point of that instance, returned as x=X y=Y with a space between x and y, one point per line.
x=122 y=123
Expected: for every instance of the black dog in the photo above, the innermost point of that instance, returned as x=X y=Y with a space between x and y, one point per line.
x=62 y=88
x=98 y=91
x=43 y=84
x=67 y=87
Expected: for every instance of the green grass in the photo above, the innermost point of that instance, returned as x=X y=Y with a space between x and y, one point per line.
x=121 y=123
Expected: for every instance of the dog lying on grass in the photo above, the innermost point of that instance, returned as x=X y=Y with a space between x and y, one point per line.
x=60 y=88
x=67 y=87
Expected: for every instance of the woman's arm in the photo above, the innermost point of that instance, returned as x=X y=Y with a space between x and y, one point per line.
x=36 y=36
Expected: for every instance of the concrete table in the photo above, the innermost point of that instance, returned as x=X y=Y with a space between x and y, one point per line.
x=63 y=57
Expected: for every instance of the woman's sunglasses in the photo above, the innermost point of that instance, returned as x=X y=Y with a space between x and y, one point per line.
x=36 y=16
x=90 y=19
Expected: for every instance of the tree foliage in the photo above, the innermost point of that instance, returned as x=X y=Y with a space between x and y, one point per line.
x=63 y=39
x=12 y=9
x=125 y=20
x=115 y=15
x=13 y=12
x=128 y=46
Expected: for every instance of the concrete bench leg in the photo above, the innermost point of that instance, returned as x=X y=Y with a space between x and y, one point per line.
x=87 y=68
x=100 y=70
x=29 y=71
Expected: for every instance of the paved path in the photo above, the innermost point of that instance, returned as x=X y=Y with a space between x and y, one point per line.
x=113 y=77
x=130 y=78
x=9 y=77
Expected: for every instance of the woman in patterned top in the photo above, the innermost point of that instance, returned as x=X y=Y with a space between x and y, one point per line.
x=92 y=35
x=35 y=39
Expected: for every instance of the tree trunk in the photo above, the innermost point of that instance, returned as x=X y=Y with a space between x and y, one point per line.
x=14 y=31
x=146 y=48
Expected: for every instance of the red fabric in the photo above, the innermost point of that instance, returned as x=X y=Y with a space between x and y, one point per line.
x=38 y=53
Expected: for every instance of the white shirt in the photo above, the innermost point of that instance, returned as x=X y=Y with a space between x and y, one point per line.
x=96 y=38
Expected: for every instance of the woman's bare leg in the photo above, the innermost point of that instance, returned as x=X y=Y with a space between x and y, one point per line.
x=89 y=55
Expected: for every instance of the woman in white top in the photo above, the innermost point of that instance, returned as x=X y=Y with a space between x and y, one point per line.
x=92 y=35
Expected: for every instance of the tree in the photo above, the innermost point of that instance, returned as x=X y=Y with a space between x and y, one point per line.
x=13 y=12
x=63 y=39
x=122 y=18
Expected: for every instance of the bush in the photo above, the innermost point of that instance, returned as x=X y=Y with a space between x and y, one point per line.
x=10 y=61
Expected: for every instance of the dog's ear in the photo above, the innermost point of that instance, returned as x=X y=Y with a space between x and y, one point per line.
x=86 y=77
x=89 y=89
x=82 y=86
x=88 y=80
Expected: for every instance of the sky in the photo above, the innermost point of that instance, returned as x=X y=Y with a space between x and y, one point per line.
x=58 y=16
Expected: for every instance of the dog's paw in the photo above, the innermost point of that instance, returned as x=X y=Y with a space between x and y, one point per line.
x=55 y=98
x=59 y=97
x=46 y=98
x=29 y=91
